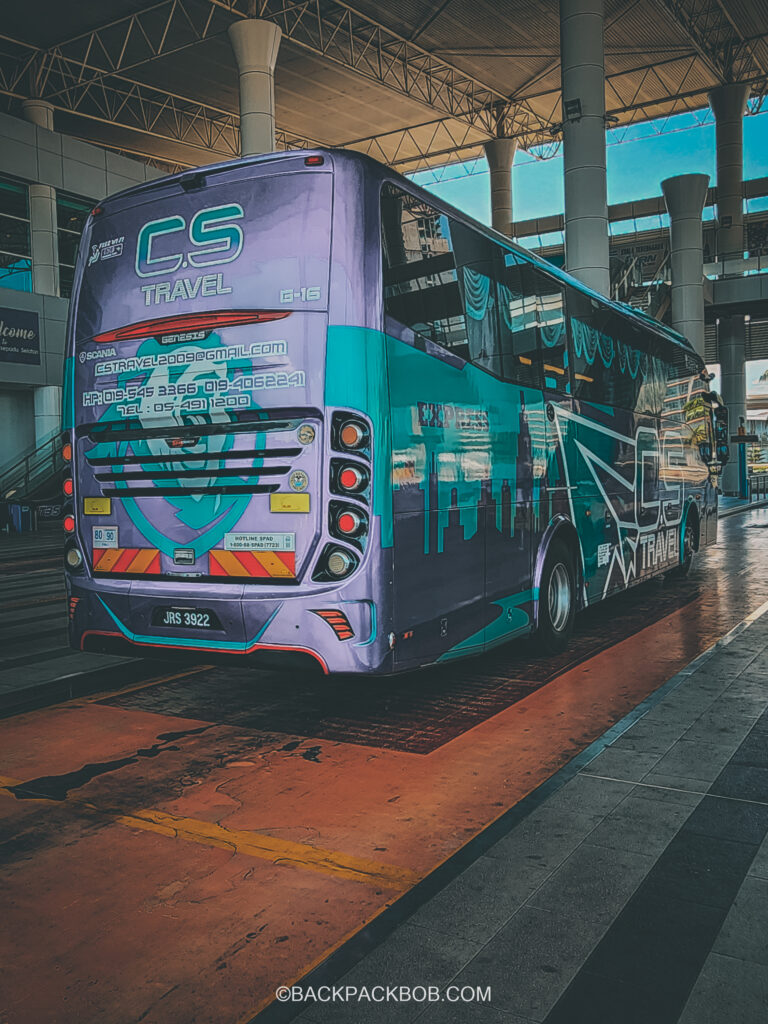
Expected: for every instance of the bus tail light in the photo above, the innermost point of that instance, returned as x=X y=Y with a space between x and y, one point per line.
x=347 y=521
x=352 y=479
x=69 y=524
x=68 y=486
x=66 y=451
x=340 y=563
x=352 y=435
x=335 y=563
x=73 y=557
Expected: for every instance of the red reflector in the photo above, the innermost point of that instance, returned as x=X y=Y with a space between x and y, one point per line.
x=314 y=161
x=96 y=211
x=191 y=322
x=338 y=622
x=68 y=486
x=69 y=524
x=347 y=522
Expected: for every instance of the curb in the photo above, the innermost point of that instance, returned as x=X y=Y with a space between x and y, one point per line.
x=742 y=508
x=76 y=684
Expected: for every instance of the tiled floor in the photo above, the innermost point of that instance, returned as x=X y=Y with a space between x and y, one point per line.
x=636 y=894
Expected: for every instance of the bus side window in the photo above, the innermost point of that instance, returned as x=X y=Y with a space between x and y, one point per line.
x=610 y=359
x=518 y=318
x=550 y=329
x=630 y=362
x=421 y=287
x=650 y=399
x=591 y=349
x=480 y=302
x=475 y=262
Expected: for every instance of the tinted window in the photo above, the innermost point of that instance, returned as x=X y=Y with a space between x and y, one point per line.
x=421 y=285
x=71 y=215
x=518 y=323
x=450 y=284
x=614 y=361
x=15 y=261
x=541 y=310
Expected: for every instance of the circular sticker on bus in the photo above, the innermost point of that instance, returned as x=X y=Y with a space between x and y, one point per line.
x=298 y=481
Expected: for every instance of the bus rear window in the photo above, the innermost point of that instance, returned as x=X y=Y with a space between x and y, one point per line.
x=260 y=243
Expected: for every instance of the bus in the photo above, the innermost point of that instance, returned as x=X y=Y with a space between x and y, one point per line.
x=316 y=416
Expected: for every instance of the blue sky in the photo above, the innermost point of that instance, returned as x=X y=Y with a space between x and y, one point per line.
x=636 y=168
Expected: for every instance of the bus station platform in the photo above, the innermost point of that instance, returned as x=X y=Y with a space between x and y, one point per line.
x=632 y=887
x=582 y=834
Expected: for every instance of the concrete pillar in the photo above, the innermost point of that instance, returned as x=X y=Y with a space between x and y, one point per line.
x=728 y=104
x=684 y=196
x=45 y=239
x=42 y=214
x=500 y=154
x=47 y=412
x=583 y=82
x=731 y=346
x=256 y=43
x=39 y=112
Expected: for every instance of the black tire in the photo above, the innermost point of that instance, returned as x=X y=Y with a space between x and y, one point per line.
x=689 y=550
x=557 y=601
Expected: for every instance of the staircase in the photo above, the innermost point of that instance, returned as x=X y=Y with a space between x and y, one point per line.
x=644 y=288
x=34 y=479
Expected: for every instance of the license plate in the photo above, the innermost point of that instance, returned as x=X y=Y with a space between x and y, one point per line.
x=185 y=618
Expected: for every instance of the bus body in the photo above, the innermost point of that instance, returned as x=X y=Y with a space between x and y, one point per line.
x=317 y=415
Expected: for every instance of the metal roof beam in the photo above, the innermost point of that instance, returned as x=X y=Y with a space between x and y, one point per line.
x=714 y=36
x=338 y=33
x=207 y=131
x=328 y=28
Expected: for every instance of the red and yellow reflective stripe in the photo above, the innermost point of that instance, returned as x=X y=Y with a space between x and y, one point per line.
x=142 y=561
x=253 y=564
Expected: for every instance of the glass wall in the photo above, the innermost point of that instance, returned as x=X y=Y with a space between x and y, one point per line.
x=15 y=244
x=71 y=213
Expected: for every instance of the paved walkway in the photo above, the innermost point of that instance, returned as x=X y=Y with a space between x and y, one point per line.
x=728 y=505
x=37 y=665
x=636 y=893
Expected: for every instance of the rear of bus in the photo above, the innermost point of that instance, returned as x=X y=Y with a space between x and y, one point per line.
x=225 y=426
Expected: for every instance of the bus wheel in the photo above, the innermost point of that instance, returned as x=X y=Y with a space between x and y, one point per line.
x=689 y=549
x=557 y=601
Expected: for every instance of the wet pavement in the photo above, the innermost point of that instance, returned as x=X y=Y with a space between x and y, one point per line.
x=177 y=848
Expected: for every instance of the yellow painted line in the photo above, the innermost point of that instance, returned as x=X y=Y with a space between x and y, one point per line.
x=140 y=686
x=250 y=844
x=277 y=851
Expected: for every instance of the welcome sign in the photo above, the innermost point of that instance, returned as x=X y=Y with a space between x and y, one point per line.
x=19 y=336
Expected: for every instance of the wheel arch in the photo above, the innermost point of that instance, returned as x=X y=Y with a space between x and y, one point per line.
x=691 y=510
x=562 y=530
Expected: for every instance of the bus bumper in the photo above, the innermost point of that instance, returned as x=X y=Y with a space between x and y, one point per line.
x=327 y=630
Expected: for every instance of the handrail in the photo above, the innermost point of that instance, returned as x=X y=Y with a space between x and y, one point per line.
x=45 y=460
